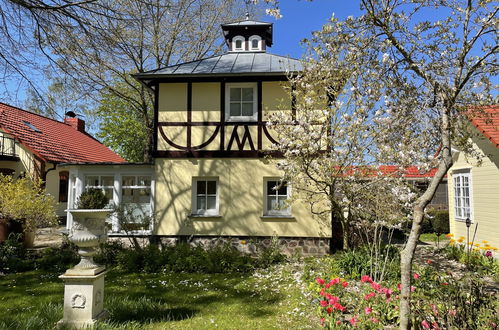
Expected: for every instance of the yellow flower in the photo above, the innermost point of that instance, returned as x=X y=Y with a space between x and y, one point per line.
x=476 y=249
x=461 y=237
x=452 y=240
x=485 y=242
x=470 y=243
x=477 y=245
x=494 y=248
x=243 y=242
x=449 y=235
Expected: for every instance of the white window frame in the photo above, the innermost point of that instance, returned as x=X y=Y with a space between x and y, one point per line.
x=148 y=209
x=279 y=213
x=228 y=87
x=259 y=43
x=205 y=212
x=100 y=185
x=462 y=212
x=234 y=40
x=77 y=185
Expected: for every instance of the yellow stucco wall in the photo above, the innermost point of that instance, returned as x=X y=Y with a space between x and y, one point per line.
x=206 y=106
x=241 y=200
x=484 y=193
x=52 y=187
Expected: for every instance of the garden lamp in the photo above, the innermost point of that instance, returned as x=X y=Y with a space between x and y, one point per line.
x=468 y=224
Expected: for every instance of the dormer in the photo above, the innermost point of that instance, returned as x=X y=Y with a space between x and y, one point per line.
x=248 y=36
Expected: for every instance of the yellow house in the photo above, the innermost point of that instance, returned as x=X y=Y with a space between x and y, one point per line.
x=34 y=145
x=212 y=174
x=474 y=186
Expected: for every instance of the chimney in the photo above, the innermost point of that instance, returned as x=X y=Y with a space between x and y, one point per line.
x=77 y=123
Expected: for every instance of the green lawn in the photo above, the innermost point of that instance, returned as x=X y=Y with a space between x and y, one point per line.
x=432 y=237
x=266 y=299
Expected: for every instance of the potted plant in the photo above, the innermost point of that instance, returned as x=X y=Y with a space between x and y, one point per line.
x=24 y=206
x=89 y=229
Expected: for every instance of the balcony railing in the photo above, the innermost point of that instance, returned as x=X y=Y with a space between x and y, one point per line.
x=7 y=147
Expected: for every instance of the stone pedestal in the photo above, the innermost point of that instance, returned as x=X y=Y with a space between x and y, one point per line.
x=83 y=300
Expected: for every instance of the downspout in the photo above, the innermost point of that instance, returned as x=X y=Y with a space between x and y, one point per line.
x=44 y=177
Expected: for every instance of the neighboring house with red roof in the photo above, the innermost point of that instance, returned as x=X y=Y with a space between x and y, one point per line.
x=421 y=181
x=36 y=145
x=474 y=187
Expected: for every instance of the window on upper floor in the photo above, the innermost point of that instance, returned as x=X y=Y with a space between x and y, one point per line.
x=462 y=194
x=205 y=194
x=255 y=43
x=238 y=43
x=276 y=194
x=241 y=102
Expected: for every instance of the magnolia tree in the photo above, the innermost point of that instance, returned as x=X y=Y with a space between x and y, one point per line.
x=428 y=63
x=328 y=141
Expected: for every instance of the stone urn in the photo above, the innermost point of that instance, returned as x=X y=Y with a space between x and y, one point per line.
x=87 y=232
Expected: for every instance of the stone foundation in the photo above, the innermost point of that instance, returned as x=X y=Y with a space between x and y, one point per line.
x=305 y=246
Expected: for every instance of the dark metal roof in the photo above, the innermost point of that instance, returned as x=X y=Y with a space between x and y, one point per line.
x=246 y=22
x=236 y=63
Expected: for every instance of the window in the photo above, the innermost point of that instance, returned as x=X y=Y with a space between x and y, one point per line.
x=462 y=195
x=63 y=186
x=136 y=199
x=136 y=189
x=241 y=102
x=104 y=182
x=205 y=197
x=238 y=43
x=31 y=126
x=276 y=194
x=255 y=42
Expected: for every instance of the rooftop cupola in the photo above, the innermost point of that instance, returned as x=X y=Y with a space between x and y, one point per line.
x=248 y=35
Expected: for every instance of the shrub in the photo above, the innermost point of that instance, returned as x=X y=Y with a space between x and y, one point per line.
x=25 y=200
x=108 y=252
x=13 y=256
x=92 y=198
x=439 y=221
x=58 y=259
x=271 y=254
x=220 y=258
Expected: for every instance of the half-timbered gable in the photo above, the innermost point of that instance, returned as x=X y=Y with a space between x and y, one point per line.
x=213 y=176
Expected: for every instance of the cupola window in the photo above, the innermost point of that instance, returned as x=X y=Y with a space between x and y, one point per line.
x=255 y=43
x=238 y=43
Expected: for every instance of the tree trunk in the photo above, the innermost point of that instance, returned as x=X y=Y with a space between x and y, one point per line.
x=336 y=242
x=346 y=234
x=407 y=254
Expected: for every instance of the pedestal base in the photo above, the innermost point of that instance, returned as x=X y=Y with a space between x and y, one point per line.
x=83 y=300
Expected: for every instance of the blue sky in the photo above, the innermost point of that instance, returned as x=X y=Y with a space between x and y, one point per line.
x=300 y=18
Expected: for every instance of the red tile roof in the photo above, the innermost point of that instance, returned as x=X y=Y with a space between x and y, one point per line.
x=411 y=172
x=488 y=123
x=54 y=141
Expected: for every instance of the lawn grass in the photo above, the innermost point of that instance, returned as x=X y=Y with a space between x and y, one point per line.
x=432 y=237
x=266 y=299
